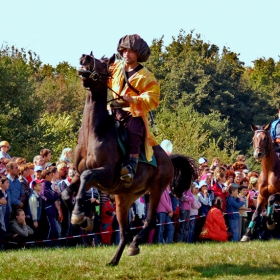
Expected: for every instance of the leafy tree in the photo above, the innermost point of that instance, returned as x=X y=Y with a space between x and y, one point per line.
x=195 y=134
x=19 y=107
x=57 y=132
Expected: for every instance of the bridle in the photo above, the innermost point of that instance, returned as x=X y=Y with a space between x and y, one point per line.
x=267 y=144
x=102 y=79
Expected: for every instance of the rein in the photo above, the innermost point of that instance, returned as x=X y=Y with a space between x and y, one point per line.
x=97 y=77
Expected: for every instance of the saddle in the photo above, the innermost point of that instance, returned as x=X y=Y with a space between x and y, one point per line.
x=122 y=137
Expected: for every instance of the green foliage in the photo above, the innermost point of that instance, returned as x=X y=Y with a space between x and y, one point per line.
x=57 y=132
x=19 y=107
x=195 y=134
x=41 y=106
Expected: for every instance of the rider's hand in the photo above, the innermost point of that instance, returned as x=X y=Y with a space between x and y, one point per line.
x=128 y=98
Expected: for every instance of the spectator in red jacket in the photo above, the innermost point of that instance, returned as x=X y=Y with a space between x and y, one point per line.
x=215 y=226
x=108 y=211
x=220 y=190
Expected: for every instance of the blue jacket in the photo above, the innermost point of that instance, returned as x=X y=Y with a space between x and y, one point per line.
x=273 y=129
x=49 y=197
x=14 y=191
x=233 y=205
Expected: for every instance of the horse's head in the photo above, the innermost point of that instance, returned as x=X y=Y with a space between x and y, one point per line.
x=94 y=72
x=261 y=141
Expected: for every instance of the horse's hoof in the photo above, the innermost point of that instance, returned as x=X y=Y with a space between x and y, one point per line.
x=77 y=219
x=245 y=238
x=270 y=226
x=89 y=226
x=112 y=263
x=133 y=251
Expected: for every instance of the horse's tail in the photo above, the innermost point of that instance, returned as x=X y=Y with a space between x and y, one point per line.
x=185 y=172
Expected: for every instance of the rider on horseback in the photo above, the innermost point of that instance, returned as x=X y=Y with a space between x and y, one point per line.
x=275 y=134
x=140 y=94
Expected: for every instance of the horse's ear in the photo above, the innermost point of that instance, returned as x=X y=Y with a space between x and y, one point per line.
x=253 y=127
x=91 y=54
x=267 y=127
x=112 y=59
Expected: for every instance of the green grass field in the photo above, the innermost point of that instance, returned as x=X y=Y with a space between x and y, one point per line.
x=253 y=260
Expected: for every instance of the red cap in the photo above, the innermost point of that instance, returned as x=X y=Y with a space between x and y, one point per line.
x=39 y=181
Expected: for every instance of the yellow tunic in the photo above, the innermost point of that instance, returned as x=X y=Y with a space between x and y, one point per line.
x=148 y=99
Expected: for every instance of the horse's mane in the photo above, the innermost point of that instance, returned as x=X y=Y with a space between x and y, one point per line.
x=104 y=58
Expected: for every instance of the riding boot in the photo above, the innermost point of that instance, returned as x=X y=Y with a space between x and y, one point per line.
x=128 y=171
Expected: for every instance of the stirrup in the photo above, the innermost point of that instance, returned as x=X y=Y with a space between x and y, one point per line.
x=127 y=174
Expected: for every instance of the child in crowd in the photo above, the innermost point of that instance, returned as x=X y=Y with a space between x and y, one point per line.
x=176 y=214
x=232 y=208
x=35 y=208
x=219 y=188
x=215 y=226
x=243 y=223
x=108 y=211
x=139 y=218
x=215 y=163
x=206 y=203
x=49 y=198
x=193 y=211
x=186 y=202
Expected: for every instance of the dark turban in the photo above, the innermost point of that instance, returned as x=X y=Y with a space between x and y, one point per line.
x=136 y=44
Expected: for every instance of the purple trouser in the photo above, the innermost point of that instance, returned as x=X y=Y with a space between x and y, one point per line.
x=135 y=127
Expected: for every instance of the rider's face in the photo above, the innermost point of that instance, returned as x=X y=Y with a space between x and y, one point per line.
x=129 y=56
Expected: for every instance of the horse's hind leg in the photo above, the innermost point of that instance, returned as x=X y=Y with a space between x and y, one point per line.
x=150 y=221
x=123 y=204
x=270 y=209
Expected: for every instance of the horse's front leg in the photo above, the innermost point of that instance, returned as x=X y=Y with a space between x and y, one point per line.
x=67 y=193
x=93 y=177
x=123 y=204
x=260 y=205
x=270 y=210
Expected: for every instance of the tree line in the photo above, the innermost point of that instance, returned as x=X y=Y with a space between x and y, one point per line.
x=209 y=98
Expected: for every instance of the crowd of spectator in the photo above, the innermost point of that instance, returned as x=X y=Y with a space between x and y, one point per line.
x=217 y=207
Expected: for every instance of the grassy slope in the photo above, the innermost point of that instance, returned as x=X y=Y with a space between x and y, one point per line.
x=254 y=260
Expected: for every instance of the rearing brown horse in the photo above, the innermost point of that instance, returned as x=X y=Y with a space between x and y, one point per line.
x=98 y=160
x=269 y=179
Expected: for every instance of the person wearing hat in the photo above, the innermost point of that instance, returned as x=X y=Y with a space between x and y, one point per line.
x=4 y=148
x=275 y=133
x=140 y=93
x=206 y=203
x=203 y=161
x=193 y=212
x=37 y=173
